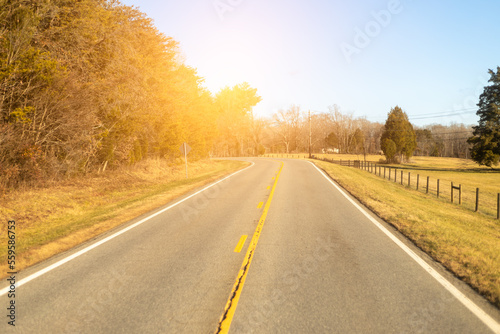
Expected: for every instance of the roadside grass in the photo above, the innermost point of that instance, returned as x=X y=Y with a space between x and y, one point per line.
x=464 y=172
x=56 y=218
x=436 y=163
x=461 y=172
x=487 y=181
x=465 y=242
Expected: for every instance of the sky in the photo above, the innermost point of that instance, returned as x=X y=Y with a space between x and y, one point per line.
x=431 y=58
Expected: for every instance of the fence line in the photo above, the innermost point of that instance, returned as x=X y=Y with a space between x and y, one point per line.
x=438 y=191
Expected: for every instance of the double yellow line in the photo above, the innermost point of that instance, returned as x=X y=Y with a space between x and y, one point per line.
x=232 y=303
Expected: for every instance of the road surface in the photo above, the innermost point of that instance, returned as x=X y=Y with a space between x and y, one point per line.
x=317 y=264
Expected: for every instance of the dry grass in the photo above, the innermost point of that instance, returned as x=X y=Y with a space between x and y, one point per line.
x=450 y=170
x=464 y=172
x=465 y=242
x=56 y=218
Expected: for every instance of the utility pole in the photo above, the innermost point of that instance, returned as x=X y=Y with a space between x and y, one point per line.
x=310 y=134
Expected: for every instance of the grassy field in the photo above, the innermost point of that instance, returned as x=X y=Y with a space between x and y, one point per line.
x=53 y=219
x=447 y=170
x=465 y=242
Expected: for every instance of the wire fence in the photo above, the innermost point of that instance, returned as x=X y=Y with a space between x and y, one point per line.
x=471 y=197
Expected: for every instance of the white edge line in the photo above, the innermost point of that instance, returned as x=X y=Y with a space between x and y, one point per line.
x=478 y=312
x=86 y=249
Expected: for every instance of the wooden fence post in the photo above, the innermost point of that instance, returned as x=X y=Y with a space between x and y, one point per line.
x=452 y=192
x=418 y=179
x=459 y=188
x=460 y=194
x=498 y=206
x=401 y=177
x=409 y=178
x=384 y=172
x=427 y=190
x=477 y=199
x=438 y=188
x=395 y=175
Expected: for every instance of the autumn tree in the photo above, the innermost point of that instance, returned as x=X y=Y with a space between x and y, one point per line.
x=234 y=113
x=486 y=135
x=90 y=84
x=399 y=131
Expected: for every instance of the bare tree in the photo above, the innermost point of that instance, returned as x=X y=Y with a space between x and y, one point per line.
x=343 y=127
x=286 y=125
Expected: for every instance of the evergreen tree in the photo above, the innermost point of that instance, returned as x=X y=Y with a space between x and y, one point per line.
x=485 y=138
x=389 y=148
x=399 y=130
x=358 y=142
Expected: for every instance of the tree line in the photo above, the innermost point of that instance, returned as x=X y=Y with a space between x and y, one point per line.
x=91 y=84
x=294 y=131
x=334 y=131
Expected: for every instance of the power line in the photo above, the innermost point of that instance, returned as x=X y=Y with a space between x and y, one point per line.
x=437 y=115
x=447 y=112
x=441 y=140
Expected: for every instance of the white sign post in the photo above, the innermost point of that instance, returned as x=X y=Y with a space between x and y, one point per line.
x=185 y=149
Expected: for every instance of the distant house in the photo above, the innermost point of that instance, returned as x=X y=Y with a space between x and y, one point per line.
x=330 y=150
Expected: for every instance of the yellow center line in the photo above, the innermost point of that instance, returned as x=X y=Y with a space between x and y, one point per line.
x=232 y=303
x=260 y=205
x=240 y=244
x=268 y=187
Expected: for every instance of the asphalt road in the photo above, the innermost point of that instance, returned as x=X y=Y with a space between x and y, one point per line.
x=319 y=265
